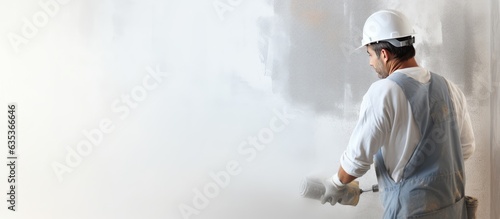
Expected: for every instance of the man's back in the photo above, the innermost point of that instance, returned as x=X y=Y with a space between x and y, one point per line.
x=386 y=122
x=434 y=173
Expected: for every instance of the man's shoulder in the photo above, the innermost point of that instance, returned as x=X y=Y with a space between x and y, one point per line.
x=383 y=86
x=455 y=92
x=383 y=92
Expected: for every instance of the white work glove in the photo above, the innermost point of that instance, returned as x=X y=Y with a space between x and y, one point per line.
x=345 y=194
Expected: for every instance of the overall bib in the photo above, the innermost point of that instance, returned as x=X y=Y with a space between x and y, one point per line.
x=433 y=181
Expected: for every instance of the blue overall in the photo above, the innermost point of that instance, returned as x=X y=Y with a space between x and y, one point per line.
x=433 y=181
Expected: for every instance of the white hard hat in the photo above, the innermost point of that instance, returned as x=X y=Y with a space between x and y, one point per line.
x=387 y=25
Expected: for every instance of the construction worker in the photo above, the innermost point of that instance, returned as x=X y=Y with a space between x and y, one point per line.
x=413 y=124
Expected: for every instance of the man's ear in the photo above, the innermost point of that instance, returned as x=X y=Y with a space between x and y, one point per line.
x=385 y=55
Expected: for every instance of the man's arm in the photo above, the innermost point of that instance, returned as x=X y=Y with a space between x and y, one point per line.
x=464 y=122
x=366 y=140
x=467 y=137
x=344 y=177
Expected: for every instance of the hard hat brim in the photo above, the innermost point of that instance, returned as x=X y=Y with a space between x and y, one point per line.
x=394 y=42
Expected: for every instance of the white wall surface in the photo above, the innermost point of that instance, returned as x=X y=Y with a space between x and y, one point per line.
x=495 y=109
x=266 y=91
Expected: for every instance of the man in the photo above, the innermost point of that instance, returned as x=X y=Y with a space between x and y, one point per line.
x=413 y=124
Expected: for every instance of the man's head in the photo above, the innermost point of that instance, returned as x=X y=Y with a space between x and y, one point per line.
x=383 y=55
x=388 y=36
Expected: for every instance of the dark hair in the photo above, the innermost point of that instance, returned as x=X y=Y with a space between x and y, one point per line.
x=401 y=53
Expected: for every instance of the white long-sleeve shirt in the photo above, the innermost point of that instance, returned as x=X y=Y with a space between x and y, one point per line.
x=386 y=122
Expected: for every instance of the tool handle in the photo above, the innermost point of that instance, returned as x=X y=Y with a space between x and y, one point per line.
x=373 y=189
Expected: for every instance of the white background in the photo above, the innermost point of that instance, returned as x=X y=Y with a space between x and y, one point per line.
x=230 y=69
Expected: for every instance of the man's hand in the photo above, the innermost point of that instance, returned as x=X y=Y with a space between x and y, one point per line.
x=345 y=194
